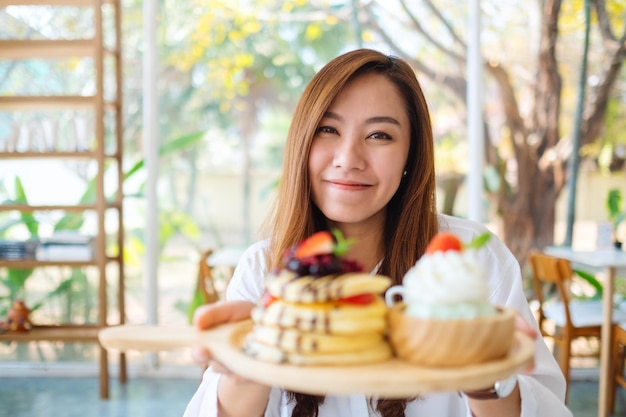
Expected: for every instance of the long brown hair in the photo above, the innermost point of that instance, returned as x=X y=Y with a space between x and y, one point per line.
x=411 y=219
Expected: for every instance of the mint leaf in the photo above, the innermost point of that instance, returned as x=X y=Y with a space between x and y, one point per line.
x=341 y=244
x=478 y=242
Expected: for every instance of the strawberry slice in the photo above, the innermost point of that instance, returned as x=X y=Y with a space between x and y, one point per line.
x=317 y=244
x=359 y=299
x=267 y=299
x=444 y=242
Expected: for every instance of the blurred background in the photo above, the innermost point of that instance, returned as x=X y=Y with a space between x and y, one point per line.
x=228 y=74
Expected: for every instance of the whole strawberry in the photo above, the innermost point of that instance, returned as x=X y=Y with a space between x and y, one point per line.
x=445 y=241
x=319 y=255
x=316 y=244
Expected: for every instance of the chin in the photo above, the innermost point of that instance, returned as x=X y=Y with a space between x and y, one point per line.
x=352 y=215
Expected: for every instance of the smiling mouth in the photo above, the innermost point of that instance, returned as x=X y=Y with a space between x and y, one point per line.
x=347 y=185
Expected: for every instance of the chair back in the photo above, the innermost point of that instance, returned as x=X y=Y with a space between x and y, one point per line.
x=551 y=272
x=205 y=282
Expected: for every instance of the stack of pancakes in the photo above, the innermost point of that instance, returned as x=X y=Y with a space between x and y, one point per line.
x=334 y=319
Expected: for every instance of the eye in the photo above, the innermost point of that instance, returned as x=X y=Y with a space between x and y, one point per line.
x=380 y=135
x=325 y=129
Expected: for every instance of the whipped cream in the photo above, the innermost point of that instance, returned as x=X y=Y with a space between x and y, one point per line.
x=447 y=285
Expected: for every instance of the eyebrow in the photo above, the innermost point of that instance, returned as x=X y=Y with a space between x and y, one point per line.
x=375 y=119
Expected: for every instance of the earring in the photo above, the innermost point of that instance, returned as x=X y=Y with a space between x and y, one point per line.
x=404 y=174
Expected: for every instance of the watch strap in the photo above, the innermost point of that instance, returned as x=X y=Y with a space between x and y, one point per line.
x=484 y=394
x=500 y=389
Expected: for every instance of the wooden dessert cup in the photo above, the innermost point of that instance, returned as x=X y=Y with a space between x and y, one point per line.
x=430 y=342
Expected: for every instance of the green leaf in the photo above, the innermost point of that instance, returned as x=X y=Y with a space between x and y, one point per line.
x=614 y=203
x=36 y=306
x=177 y=144
x=135 y=168
x=27 y=217
x=16 y=279
x=180 y=143
x=196 y=301
x=72 y=221
x=591 y=279
x=4 y=227
x=20 y=195
x=341 y=244
x=478 y=242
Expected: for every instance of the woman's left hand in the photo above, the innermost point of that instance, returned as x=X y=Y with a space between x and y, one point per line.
x=522 y=325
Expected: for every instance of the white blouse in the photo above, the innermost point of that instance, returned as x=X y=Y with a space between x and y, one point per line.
x=542 y=391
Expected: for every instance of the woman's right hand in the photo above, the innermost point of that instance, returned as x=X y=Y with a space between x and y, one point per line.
x=211 y=315
x=237 y=396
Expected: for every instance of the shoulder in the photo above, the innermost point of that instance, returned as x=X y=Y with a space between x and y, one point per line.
x=256 y=252
x=465 y=229
x=247 y=280
x=254 y=258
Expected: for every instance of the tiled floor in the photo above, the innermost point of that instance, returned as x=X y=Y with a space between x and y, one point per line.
x=78 y=397
x=583 y=399
x=55 y=396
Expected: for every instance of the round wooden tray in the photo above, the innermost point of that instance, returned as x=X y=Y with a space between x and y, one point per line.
x=391 y=379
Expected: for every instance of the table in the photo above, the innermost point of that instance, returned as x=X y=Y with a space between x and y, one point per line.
x=609 y=260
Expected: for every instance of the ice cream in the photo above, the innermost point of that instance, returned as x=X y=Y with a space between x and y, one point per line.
x=448 y=285
x=445 y=317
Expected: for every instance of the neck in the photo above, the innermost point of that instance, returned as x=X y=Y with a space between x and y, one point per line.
x=367 y=247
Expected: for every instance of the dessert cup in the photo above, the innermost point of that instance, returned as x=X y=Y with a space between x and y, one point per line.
x=458 y=342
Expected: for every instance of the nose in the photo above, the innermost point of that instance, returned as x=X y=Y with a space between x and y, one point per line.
x=349 y=153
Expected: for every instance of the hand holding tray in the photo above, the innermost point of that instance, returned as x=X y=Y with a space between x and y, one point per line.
x=391 y=379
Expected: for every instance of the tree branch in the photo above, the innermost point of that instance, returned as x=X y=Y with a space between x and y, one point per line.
x=418 y=26
x=604 y=22
x=446 y=23
x=596 y=111
x=456 y=84
x=548 y=87
x=514 y=120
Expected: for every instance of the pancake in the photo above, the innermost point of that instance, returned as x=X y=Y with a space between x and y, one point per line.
x=325 y=318
x=320 y=309
x=296 y=341
x=377 y=353
x=289 y=286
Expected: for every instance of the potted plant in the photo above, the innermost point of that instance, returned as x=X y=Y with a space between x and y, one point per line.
x=616 y=214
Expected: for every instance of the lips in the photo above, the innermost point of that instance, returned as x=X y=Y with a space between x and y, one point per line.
x=347 y=184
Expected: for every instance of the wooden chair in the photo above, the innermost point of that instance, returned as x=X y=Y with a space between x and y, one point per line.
x=206 y=282
x=564 y=319
x=618 y=355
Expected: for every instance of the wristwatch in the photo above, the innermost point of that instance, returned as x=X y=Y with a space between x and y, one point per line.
x=501 y=389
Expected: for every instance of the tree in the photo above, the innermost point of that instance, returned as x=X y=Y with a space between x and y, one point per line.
x=535 y=172
x=238 y=57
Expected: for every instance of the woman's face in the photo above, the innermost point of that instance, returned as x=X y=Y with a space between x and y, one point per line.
x=359 y=151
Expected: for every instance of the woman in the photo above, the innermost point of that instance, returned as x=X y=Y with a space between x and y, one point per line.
x=359 y=157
